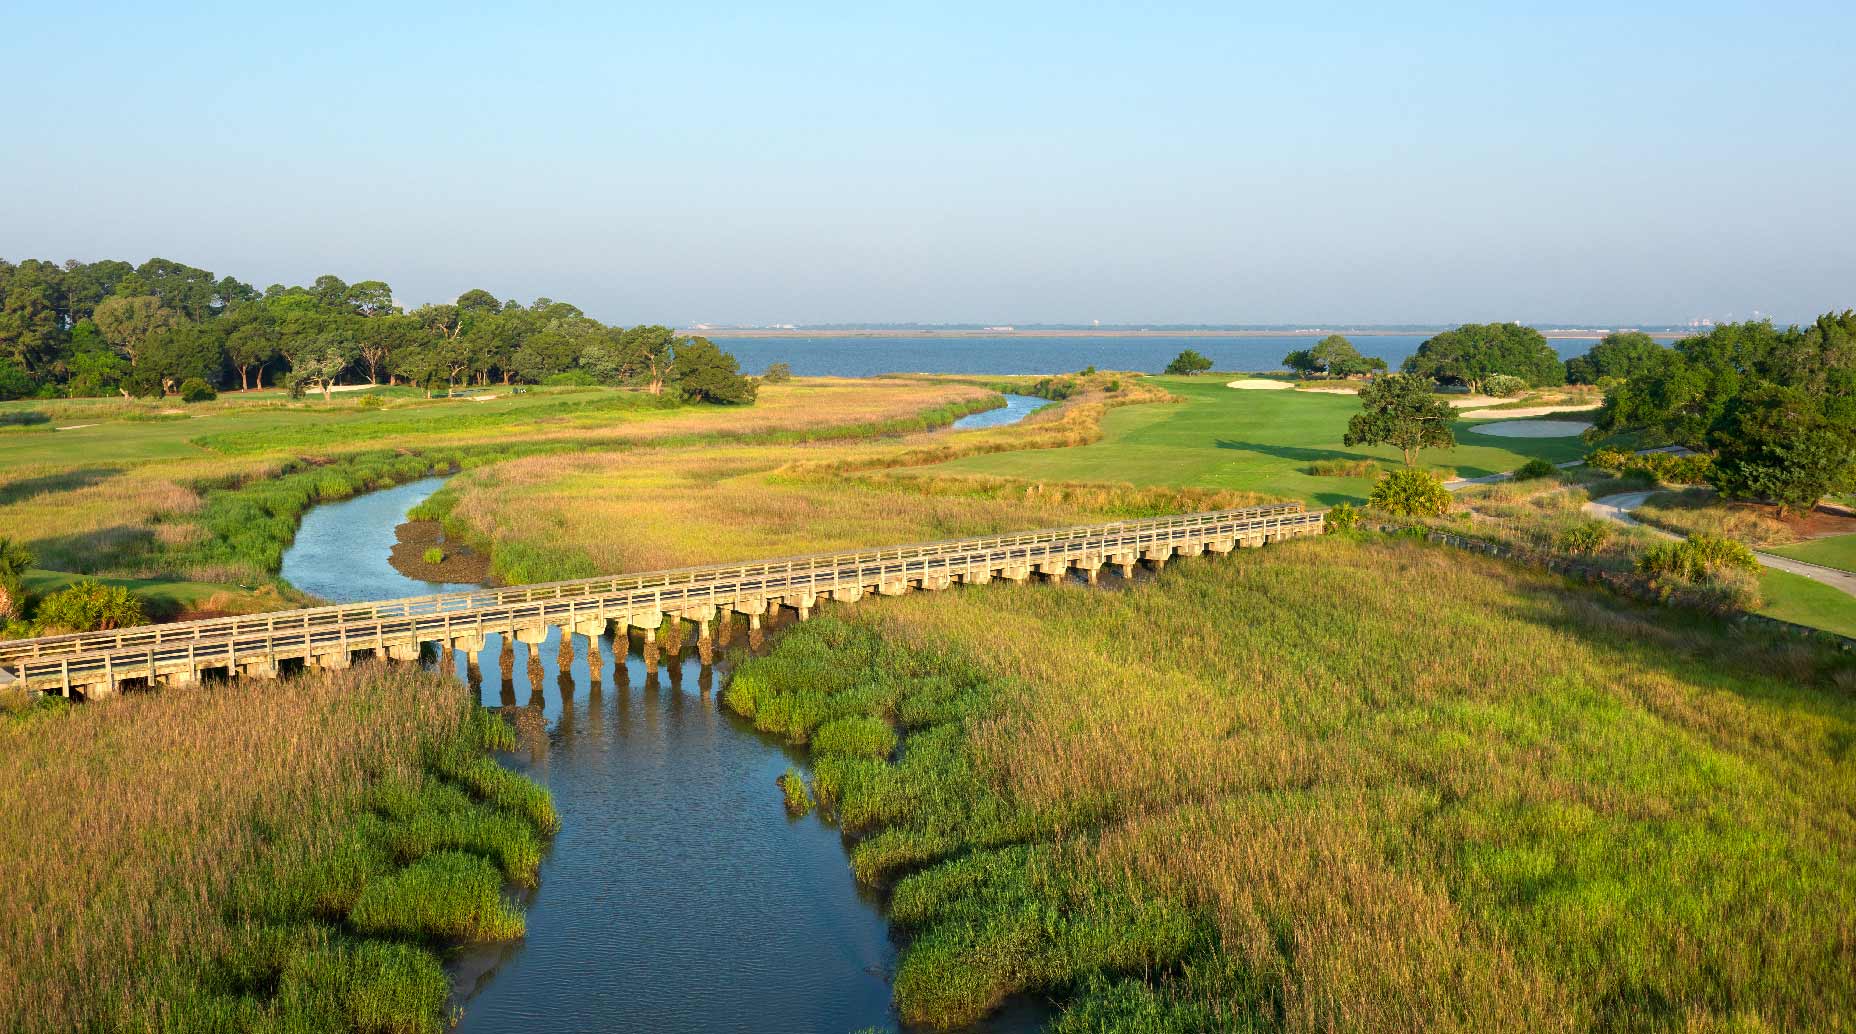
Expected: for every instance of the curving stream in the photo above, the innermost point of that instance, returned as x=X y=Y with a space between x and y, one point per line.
x=678 y=896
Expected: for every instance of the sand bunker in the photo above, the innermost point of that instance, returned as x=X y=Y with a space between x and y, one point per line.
x=1532 y=429
x=1260 y=385
x=1497 y=414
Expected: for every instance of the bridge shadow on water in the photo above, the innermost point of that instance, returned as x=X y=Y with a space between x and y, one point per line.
x=679 y=895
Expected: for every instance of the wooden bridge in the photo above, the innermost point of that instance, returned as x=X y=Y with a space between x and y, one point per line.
x=98 y=663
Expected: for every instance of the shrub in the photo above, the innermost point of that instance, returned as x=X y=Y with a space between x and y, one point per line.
x=1410 y=492
x=1112 y=386
x=1341 y=517
x=14 y=560
x=1697 y=558
x=434 y=555
x=1343 y=468
x=1668 y=468
x=371 y=402
x=777 y=373
x=1536 y=468
x=1584 y=538
x=89 y=606
x=1188 y=362
x=1504 y=386
x=193 y=389
x=143 y=384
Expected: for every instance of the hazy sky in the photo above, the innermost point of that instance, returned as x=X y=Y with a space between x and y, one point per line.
x=683 y=161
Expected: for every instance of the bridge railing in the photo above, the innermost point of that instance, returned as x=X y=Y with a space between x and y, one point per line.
x=224 y=640
x=472 y=599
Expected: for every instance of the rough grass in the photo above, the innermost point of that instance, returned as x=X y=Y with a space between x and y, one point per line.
x=1387 y=787
x=1701 y=511
x=284 y=857
x=546 y=518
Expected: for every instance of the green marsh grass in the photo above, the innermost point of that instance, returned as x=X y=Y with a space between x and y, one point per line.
x=290 y=856
x=1346 y=784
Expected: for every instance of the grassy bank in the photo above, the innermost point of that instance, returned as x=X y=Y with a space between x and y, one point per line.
x=1390 y=787
x=296 y=855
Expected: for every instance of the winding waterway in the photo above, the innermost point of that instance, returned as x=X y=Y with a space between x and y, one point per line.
x=678 y=896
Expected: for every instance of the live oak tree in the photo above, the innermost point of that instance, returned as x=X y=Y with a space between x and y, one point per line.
x=1472 y=352
x=1189 y=362
x=1402 y=411
x=1335 y=356
x=1617 y=356
x=128 y=322
x=705 y=373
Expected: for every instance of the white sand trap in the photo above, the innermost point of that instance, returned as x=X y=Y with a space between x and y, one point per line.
x=1497 y=414
x=1260 y=385
x=1532 y=429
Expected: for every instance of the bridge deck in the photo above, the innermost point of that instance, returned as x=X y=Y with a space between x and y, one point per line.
x=104 y=658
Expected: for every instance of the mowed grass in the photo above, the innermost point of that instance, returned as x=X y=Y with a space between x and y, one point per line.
x=290 y=856
x=1838 y=551
x=1339 y=786
x=1255 y=441
x=1801 y=601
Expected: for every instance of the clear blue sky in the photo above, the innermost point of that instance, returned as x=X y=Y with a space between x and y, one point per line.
x=919 y=162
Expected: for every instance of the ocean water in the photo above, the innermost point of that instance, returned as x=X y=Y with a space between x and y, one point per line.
x=861 y=356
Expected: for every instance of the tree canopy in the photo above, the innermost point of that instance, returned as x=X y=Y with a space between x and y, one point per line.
x=1188 y=362
x=1616 y=357
x=1402 y=411
x=1776 y=407
x=102 y=327
x=1472 y=352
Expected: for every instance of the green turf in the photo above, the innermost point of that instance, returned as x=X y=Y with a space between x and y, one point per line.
x=1838 y=551
x=1262 y=441
x=238 y=424
x=160 y=597
x=1795 y=598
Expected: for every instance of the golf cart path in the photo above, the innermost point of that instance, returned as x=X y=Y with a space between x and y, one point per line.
x=1618 y=507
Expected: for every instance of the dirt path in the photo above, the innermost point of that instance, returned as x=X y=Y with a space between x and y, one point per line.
x=1618 y=507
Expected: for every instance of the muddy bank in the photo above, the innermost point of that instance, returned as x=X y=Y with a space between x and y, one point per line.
x=460 y=564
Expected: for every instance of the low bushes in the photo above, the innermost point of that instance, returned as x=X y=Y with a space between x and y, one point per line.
x=1343 y=468
x=1410 y=492
x=1536 y=468
x=1585 y=538
x=193 y=389
x=1668 y=468
x=88 y=606
x=1504 y=386
x=1706 y=571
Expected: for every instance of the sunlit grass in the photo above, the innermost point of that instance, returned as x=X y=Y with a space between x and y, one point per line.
x=1341 y=786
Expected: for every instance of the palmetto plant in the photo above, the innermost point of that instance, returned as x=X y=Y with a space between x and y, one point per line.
x=14 y=559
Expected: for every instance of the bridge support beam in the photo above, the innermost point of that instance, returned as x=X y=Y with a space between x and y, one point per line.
x=337 y=661
x=980 y=577
x=264 y=669
x=705 y=644
x=183 y=677
x=1016 y=573
x=892 y=587
x=936 y=582
x=406 y=651
x=1221 y=546
x=650 y=650
x=533 y=635
x=850 y=595
x=754 y=633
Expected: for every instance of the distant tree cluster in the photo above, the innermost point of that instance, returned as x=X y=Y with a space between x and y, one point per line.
x=1474 y=352
x=1777 y=408
x=102 y=328
x=1333 y=356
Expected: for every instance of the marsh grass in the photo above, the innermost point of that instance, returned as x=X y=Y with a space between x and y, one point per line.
x=1340 y=785
x=290 y=856
x=1701 y=511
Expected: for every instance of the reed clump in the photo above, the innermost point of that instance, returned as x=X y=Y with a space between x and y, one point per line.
x=292 y=856
x=1409 y=789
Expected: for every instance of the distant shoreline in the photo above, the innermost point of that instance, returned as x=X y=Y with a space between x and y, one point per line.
x=1573 y=335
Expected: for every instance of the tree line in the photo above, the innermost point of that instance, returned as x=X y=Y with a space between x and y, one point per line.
x=103 y=328
x=1773 y=409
